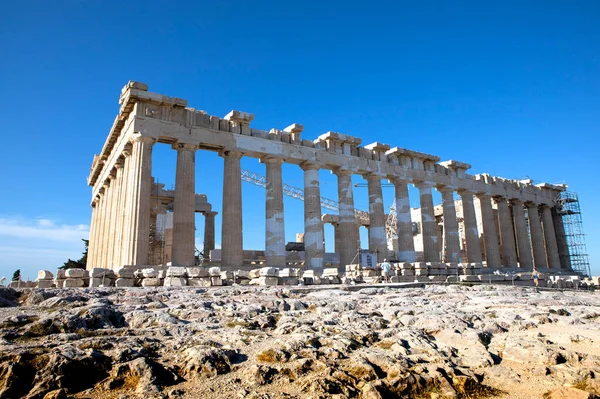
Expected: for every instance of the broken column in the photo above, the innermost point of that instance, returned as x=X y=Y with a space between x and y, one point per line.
x=231 y=239
x=507 y=233
x=471 y=231
x=428 y=224
x=274 y=229
x=406 y=244
x=184 y=205
x=550 y=238
x=490 y=235
x=209 y=232
x=377 y=236
x=537 y=236
x=348 y=229
x=314 y=250
x=451 y=238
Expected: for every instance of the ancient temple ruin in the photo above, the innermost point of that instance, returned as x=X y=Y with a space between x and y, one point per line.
x=497 y=222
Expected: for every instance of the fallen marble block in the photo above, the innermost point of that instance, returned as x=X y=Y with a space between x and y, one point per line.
x=59 y=282
x=73 y=282
x=331 y=271
x=227 y=275
x=216 y=281
x=125 y=272
x=267 y=280
x=199 y=282
x=175 y=282
x=402 y=279
x=124 y=282
x=254 y=273
x=469 y=278
x=45 y=283
x=268 y=271
x=214 y=271
x=151 y=282
x=60 y=274
x=100 y=282
x=197 y=272
x=75 y=273
x=286 y=272
x=289 y=280
x=308 y=274
x=150 y=273
x=98 y=272
x=243 y=274
x=176 y=271
x=44 y=275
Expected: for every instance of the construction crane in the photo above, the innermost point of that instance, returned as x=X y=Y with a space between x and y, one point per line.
x=298 y=193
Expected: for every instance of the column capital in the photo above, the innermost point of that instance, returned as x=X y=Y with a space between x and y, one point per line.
x=106 y=183
x=225 y=152
x=531 y=205
x=120 y=162
x=210 y=213
x=444 y=189
x=138 y=138
x=399 y=181
x=270 y=159
x=310 y=165
x=126 y=150
x=423 y=184
x=342 y=171
x=465 y=192
x=183 y=146
x=376 y=176
x=515 y=202
x=499 y=198
x=483 y=196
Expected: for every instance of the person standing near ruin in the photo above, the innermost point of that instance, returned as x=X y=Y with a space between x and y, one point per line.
x=385 y=270
x=536 y=278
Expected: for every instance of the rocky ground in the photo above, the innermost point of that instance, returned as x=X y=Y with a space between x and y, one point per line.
x=251 y=342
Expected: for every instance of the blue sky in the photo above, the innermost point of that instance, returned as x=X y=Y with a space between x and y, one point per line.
x=510 y=87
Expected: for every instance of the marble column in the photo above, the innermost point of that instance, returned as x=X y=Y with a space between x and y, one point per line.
x=209 y=233
x=92 y=238
x=102 y=256
x=507 y=233
x=406 y=244
x=337 y=240
x=137 y=227
x=116 y=193
x=471 y=231
x=550 y=238
x=561 y=239
x=377 y=236
x=184 y=206
x=117 y=225
x=232 y=253
x=348 y=228
x=122 y=214
x=429 y=228
x=100 y=228
x=537 y=236
x=451 y=237
x=275 y=255
x=314 y=251
x=490 y=235
x=523 y=244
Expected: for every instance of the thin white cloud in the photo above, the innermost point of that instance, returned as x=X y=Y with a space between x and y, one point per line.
x=42 y=229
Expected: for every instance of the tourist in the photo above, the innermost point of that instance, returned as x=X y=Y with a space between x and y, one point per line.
x=385 y=270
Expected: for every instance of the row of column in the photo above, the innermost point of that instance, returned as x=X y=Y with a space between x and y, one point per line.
x=121 y=222
x=120 y=228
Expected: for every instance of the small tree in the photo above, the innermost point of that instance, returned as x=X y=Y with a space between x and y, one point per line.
x=81 y=263
x=17 y=275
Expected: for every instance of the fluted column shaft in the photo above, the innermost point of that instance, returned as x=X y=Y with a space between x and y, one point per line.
x=429 y=228
x=232 y=253
x=100 y=228
x=523 y=244
x=507 y=233
x=471 y=230
x=377 y=236
x=209 y=233
x=274 y=225
x=537 y=236
x=451 y=237
x=184 y=205
x=406 y=244
x=314 y=251
x=490 y=235
x=92 y=238
x=122 y=214
x=348 y=228
x=102 y=256
x=139 y=192
x=550 y=238
x=337 y=239
x=115 y=246
x=561 y=239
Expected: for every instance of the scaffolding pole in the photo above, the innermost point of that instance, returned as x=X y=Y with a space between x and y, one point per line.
x=567 y=205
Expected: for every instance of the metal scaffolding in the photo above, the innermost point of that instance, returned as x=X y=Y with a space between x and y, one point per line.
x=568 y=208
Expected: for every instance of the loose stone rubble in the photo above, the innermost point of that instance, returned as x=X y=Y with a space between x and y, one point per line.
x=298 y=342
